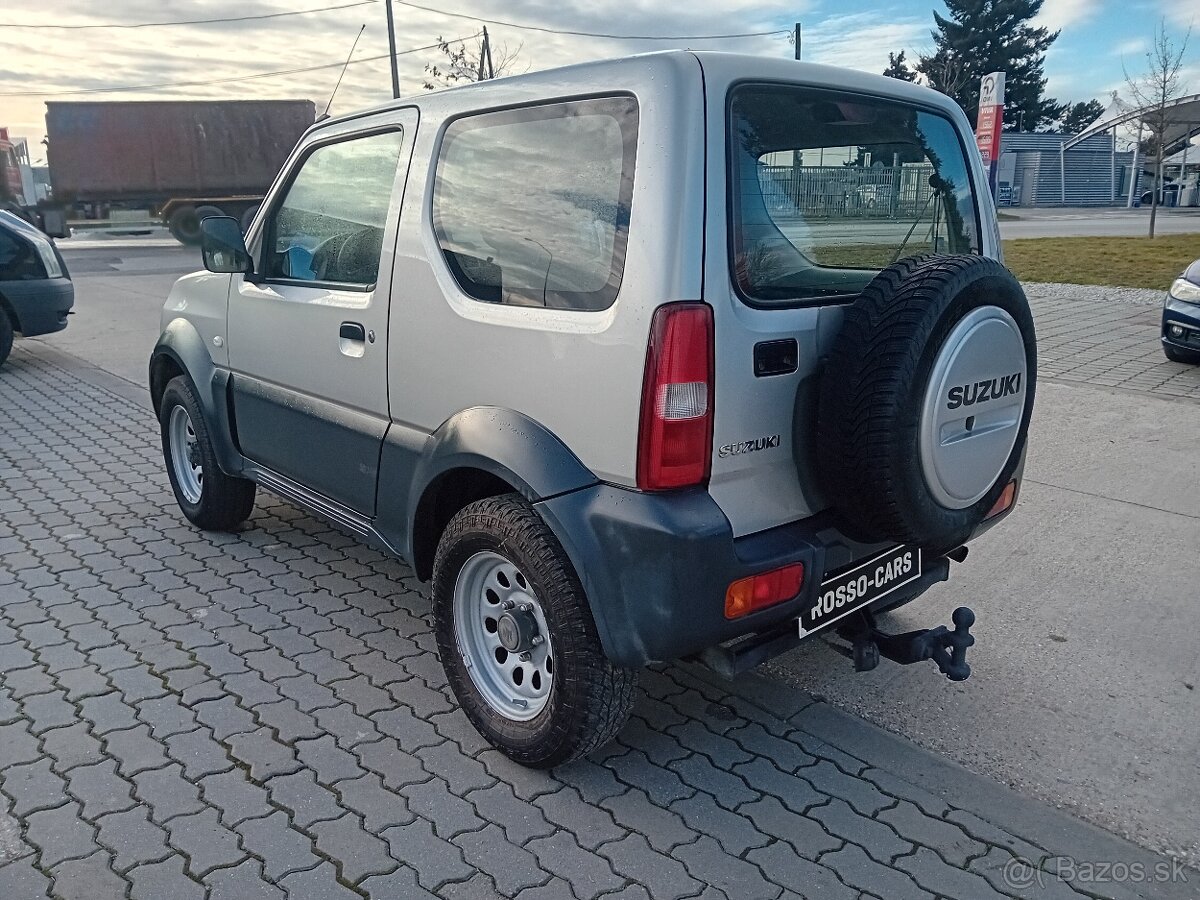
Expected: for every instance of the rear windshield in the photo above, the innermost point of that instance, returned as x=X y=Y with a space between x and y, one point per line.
x=828 y=188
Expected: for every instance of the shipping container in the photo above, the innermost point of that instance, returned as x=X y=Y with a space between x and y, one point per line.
x=171 y=157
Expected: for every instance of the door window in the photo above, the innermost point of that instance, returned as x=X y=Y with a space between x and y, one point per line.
x=329 y=225
x=531 y=206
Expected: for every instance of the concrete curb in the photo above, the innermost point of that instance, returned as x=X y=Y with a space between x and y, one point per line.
x=81 y=368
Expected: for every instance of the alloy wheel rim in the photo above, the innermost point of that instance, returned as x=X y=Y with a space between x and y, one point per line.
x=494 y=606
x=185 y=455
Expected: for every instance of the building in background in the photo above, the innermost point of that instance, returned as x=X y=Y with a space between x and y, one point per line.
x=1035 y=170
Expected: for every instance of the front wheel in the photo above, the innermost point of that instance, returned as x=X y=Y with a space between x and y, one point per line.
x=208 y=497
x=6 y=336
x=517 y=639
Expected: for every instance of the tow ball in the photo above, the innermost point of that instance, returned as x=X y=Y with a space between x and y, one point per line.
x=947 y=649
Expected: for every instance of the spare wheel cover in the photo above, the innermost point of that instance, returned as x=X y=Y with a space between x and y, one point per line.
x=973 y=406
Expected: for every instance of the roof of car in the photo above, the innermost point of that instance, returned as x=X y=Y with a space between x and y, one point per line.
x=719 y=67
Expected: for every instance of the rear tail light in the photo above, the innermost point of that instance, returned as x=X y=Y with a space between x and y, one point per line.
x=1004 y=502
x=675 y=436
x=747 y=595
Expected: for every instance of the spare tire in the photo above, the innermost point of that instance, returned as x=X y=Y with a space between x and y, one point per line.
x=925 y=400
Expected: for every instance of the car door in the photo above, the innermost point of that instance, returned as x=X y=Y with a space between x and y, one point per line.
x=308 y=332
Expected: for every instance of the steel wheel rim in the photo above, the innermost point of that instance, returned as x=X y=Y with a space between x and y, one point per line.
x=185 y=455
x=485 y=586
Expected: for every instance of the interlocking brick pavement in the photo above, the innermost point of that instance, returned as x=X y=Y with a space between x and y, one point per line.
x=1107 y=336
x=193 y=715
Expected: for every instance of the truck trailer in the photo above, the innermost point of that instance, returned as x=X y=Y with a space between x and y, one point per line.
x=181 y=160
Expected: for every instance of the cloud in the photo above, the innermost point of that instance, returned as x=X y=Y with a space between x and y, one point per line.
x=863 y=40
x=1183 y=13
x=52 y=59
x=1131 y=47
x=1057 y=14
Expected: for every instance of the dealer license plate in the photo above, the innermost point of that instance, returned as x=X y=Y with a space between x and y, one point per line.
x=860 y=586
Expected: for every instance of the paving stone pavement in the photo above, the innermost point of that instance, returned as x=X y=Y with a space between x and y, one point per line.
x=262 y=715
x=1107 y=336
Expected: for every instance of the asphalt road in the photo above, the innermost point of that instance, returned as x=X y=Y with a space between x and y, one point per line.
x=1037 y=223
x=119 y=292
x=1085 y=674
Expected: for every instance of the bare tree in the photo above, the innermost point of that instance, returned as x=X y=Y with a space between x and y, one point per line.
x=1154 y=91
x=943 y=71
x=466 y=61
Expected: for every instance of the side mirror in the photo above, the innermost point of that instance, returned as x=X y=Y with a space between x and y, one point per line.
x=224 y=247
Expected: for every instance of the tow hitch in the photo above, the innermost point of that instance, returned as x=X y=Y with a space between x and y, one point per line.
x=947 y=649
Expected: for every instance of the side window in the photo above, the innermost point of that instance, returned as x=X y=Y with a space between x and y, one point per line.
x=329 y=226
x=531 y=206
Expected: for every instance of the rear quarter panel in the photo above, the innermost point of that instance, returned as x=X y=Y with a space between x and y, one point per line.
x=579 y=374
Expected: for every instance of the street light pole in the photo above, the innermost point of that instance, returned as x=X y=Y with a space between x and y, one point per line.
x=392 y=50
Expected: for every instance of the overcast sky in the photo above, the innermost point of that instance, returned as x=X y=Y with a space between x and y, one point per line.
x=1085 y=63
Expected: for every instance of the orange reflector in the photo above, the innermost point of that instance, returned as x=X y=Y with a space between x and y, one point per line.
x=746 y=595
x=1005 y=501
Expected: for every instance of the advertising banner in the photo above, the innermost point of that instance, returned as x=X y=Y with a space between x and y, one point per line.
x=990 y=123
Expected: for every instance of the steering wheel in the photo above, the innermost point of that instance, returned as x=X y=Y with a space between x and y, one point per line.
x=327 y=257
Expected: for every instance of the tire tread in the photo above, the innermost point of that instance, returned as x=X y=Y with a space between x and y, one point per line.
x=599 y=694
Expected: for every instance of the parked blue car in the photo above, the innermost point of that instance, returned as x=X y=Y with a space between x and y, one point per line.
x=36 y=294
x=1181 y=318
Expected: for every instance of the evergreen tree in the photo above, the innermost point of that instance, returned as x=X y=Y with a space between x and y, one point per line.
x=898 y=67
x=982 y=36
x=1080 y=115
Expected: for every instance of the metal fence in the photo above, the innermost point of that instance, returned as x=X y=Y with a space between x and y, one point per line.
x=838 y=192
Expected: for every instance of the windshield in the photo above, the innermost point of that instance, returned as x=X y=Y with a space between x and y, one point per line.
x=41 y=243
x=828 y=188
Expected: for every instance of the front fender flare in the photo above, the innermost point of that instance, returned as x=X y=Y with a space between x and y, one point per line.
x=181 y=348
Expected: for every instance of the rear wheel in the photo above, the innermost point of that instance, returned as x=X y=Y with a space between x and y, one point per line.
x=1188 y=357
x=6 y=335
x=184 y=225
x=207 y=212
x=517 y=638
x=248 y=217
x=208 y=497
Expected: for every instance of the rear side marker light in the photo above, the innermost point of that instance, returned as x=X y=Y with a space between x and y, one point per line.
x=1005 y=501
x=747 y=595
x=675 y=432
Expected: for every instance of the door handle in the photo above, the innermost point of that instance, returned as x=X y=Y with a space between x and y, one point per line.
x=352 y=340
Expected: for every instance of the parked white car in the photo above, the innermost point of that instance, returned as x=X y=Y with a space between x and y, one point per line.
x=543 y=338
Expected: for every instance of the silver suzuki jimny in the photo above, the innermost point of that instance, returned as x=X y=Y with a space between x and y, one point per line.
x=686 y=355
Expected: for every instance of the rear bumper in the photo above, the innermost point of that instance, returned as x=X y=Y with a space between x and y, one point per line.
x=42 y=305
x=656 y=567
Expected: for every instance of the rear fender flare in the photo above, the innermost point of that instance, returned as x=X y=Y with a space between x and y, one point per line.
x=503 y=443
